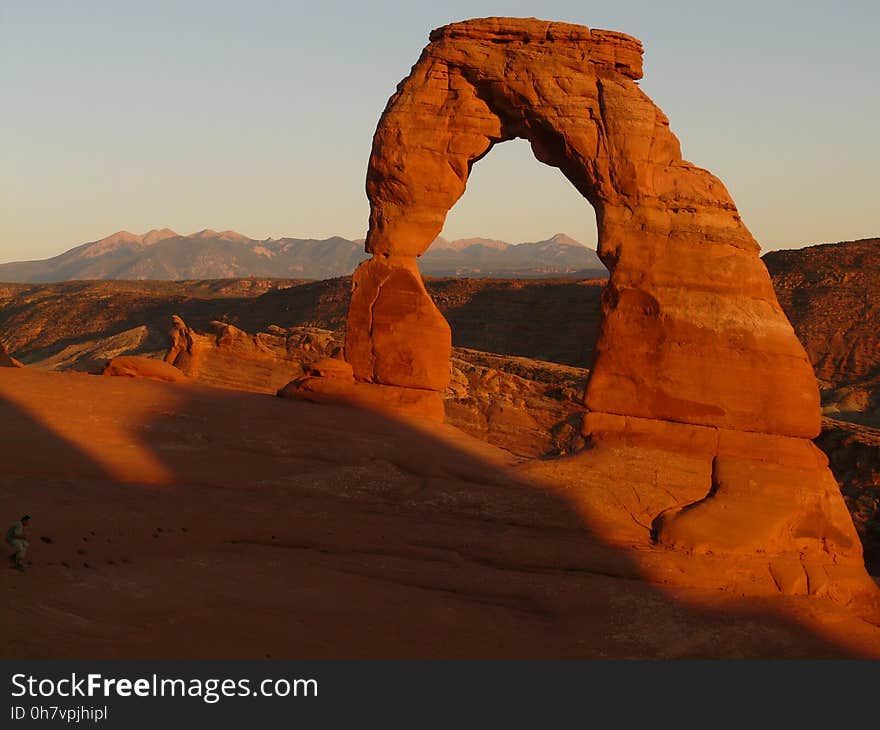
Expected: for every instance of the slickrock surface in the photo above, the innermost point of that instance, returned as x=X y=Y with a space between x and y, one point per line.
x=188 y=521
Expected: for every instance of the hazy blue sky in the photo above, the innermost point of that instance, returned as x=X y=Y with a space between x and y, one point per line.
x=258 y=116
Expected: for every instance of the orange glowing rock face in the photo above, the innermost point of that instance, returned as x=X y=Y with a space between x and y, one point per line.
x=695 y=358
x=692 y=330
x=395 y=335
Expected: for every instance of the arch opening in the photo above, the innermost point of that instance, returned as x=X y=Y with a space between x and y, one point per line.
x=512 y=197
x=499 y=314
x=516 y=374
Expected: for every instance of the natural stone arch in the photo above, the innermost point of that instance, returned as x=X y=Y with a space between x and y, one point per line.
x=700 y=393
x=687 y=288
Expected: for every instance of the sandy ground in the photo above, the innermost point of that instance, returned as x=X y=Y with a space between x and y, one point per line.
x=181 y=521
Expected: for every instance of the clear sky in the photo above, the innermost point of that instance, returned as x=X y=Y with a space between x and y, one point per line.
x=258 y=116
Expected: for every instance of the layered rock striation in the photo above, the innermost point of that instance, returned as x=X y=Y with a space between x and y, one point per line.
x=230 y=358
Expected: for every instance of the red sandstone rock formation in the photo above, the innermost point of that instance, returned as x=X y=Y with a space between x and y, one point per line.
x=687 y=285
x=530 y=408
x=134 y=366
x=232 y=358
x=332 y=381
x=695 y=364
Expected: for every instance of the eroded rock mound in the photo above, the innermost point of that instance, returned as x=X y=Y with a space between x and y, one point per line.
x=696 y=363
x=231 y=358
x=332 y=381
x=135 y=366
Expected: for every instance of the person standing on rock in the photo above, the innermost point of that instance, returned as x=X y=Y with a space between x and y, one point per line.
x=15 y=536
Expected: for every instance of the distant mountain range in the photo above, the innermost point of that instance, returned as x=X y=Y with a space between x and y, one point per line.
x=166 y=255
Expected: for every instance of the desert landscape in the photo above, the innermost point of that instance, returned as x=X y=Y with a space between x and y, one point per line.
x=413 y=447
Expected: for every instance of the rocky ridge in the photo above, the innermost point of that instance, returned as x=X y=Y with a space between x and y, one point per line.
x=166 y=255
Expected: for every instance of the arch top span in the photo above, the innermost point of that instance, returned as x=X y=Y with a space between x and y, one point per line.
x=571 y=92
x=618 y=51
